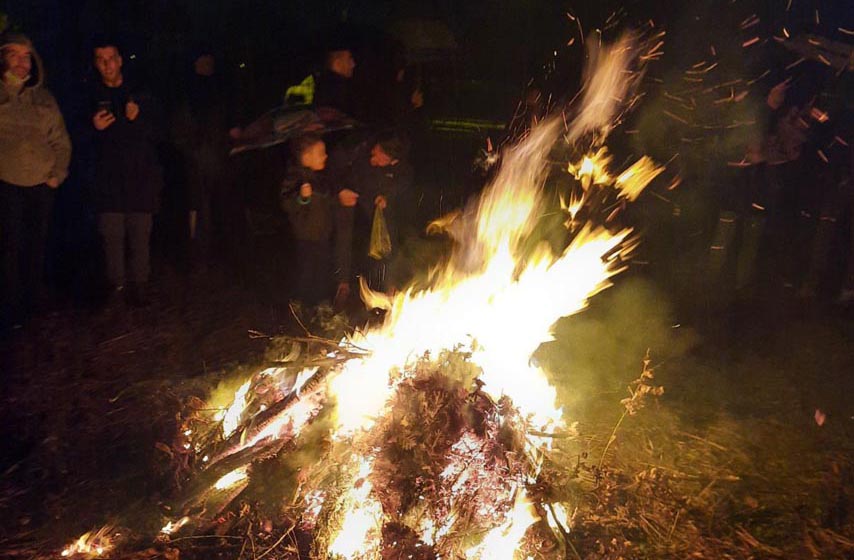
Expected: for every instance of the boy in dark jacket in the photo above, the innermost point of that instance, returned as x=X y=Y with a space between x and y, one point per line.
x=383 y=181
x=305 y=197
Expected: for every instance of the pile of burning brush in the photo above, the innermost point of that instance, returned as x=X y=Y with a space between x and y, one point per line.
x=443 y=466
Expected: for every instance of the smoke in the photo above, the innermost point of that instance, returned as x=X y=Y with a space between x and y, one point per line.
x=596 y=353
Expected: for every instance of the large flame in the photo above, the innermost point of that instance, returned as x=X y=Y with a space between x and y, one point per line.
x=497 y=299
x=502 y=541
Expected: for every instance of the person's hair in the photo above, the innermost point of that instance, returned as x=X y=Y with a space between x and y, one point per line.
x=8 y=39
x=301 y=144
x=393 y=144
x=105 y=41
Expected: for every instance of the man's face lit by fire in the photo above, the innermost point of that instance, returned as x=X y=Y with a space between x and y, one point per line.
x=314 y=157
x=380 y=158
x=17 y=60
x=108 y=61
x=342 y=63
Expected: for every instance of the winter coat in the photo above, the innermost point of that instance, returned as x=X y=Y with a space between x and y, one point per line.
x=335 y=92
x=391 y=182
x=34 y=144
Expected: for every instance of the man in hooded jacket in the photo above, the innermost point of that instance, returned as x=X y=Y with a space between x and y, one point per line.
x=35 y=152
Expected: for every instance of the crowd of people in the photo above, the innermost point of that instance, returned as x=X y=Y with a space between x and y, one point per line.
x=335 y=208
x=785 y=218
x=344 y=190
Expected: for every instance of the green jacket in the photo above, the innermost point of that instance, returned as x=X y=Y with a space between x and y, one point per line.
x=34 y=144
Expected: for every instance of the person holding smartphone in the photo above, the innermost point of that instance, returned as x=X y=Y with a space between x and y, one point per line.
x=128 y=176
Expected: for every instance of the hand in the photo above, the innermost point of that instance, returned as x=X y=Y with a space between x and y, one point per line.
x=103 y=119
x=52 y=182
x=417 y=99
x=131 y=110
x=348 y=198
x=381 y=202
x=777 y=95
x=305 y=190
x=235 y=133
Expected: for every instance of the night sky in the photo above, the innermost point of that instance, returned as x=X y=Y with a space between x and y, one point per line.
x=506 y=41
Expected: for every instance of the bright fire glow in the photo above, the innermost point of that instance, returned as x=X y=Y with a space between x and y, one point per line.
x=92 y=544
x=557 y=518
x=231 y=419
x=572 y=207
x=634 y=180
x=231 y=479
x=172 y=528
x=360 y=531
x=593 y=170
x=501 y=543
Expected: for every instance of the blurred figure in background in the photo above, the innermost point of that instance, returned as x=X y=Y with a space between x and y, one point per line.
x=204 y=127
x=334 y=90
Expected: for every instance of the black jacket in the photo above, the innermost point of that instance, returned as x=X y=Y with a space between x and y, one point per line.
x=128 y=175
x=393 y=182
x=311 y=220
x=335 y=92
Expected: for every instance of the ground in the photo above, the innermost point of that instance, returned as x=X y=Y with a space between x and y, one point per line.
x=753 y=432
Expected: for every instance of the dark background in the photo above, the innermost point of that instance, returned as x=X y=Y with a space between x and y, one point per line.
x=263 y=46
x=506 y=42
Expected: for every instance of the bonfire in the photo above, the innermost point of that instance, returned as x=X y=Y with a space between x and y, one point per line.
x=428 y=435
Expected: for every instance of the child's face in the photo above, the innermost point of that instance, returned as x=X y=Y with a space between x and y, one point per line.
x=314 y=157
x=379 y=157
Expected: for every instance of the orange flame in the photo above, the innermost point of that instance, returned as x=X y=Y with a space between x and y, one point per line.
x=93 y=544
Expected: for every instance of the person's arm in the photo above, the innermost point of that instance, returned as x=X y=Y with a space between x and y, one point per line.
x=142 y=110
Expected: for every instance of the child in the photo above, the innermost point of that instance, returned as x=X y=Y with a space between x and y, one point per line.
x=305 y=198
x=384 y=181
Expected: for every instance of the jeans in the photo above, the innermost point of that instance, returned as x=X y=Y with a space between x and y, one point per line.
x=135 y=227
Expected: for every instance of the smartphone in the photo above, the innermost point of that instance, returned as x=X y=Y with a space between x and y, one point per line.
x=105 y=106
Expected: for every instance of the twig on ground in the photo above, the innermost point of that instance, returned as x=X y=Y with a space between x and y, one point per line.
x=275 y=544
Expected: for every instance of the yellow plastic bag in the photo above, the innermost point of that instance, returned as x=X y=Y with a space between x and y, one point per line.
x=380 y=239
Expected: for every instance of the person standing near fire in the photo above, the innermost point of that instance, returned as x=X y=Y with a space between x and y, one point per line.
x=382 y=184
x=128 y=176
x=306 y=199
x=35 y=151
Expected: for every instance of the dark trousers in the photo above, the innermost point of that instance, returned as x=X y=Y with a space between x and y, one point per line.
x=134 y=227
x=313 y=278
x=209 y=196
x=25 y=216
